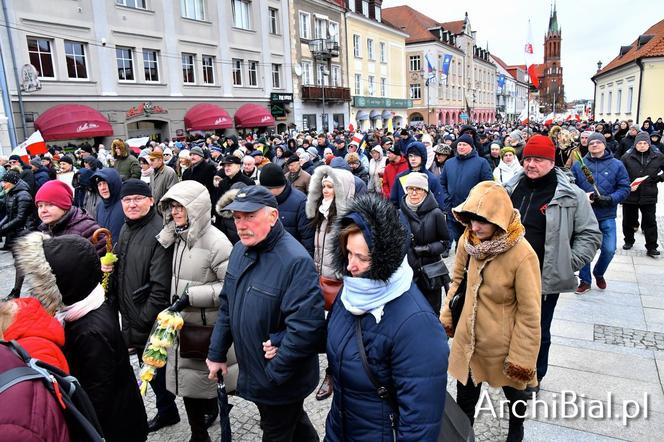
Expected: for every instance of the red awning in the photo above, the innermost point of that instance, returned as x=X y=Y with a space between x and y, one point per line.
x=253 y=115
x=72 y=121
x=206 y=116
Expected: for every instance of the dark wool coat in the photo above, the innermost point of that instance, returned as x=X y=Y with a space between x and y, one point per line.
x=202 y=172
x=292 y=204
x=638 y=165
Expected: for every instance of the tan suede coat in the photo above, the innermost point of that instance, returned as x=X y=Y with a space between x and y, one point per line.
x=498 y=336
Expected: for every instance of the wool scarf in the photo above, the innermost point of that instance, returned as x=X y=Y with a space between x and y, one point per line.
x=499 y=243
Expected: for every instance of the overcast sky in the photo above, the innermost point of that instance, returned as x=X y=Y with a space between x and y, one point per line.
x=592 y=30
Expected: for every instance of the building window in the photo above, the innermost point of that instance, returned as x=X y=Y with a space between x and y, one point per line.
x=618 y=101
x=610 y=102
x=377 y=13
x=320 y=28
x=334 y=31
x=208 y=69
x=372 y=85
x=41 y=56
x=188 y=67
x=276 y=76
x=383 y=87
x=370 y=49
x=356 y=46
x=193 y=9
x=415 y=63
x=415 y=91
x=237 y=72
x=305 y=25
x=75 y=54
x=138 y=4
x=338 y=121
x=630 y=94
x=274 y=20
x=336 y=76
x=601 y=103
x=151 y=65
x=358 y=84
x=253 y=73
x=383 y=52
x=365 y=8
x=125 y=60
x=307 y=74
x=241 y=14
x=309 y=121
x=322 y=74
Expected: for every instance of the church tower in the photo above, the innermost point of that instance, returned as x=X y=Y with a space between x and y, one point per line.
x=551 y=84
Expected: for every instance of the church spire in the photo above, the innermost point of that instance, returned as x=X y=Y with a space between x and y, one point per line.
x=553 y=21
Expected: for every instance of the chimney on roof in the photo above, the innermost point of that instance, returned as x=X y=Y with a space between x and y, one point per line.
x=599 y=65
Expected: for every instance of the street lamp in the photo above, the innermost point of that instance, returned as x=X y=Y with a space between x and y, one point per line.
x=323 y=49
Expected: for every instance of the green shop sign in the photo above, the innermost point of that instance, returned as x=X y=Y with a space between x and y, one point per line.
x=389 y=103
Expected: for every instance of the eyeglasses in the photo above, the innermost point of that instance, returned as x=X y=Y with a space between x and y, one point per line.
x=133 y=200
x=414 y=190
x=176 y=207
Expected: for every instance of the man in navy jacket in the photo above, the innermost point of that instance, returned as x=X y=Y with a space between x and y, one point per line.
x=416 y=154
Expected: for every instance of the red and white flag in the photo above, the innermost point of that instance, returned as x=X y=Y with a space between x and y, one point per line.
x=548 y=120
x=523 y=116
x=530 y=65
x=33 y=146
x=637 y=182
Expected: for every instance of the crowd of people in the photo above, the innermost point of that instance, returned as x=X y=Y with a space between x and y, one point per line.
x=254 y=238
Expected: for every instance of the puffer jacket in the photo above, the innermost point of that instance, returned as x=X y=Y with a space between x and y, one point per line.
x=362 y=173
x=19 y=212
x=460 y=174
x=293 y=216
x=75 y=222
x=41 y=177
x=271 y=289
x=200 y=258
x=610 y=178
x=109 y=211
x=638 y=165
x=141 y=281
x=344 y=192
x=376 y=171
x=28 y=411
x=398 y=191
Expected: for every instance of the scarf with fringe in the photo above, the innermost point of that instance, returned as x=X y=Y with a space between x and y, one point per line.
x=499 y=243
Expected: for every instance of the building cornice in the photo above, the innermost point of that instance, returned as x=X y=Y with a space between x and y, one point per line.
x=383 y=26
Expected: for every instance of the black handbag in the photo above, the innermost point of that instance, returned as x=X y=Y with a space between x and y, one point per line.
x=434 y=275
x=459 y=298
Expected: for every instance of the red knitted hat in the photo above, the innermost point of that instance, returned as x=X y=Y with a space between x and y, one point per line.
x=541 y=147
x=57 y=193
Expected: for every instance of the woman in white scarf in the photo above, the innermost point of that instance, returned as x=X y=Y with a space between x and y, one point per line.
x=508 y=166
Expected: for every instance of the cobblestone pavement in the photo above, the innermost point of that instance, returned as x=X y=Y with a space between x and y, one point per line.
x=629 y=337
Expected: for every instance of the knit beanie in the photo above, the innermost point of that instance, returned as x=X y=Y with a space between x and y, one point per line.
x=466 y=138
x=643 y=136
x=36 y=162
x=272 y=176
x=12 y=177
x=417 y=179
x=540 y=146
x=596 y=136
x=67 y=159
x=135 y=186
x=506 y=149
x=57 y=193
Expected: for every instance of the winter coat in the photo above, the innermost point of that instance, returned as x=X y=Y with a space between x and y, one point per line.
x=360 y=185
x=398 y=191
x=200 y=257
x=428 y=228
x=300 y=183
x=292 y=204
x=376 y=171
x=390 y=174
x=109 y=211
x=39 y=333
x=224 y=221
x=41 y=177
x=344 y=192
x=28 y=411
x=572 y=234
x=361 y=173
x=497 y=338
x=610 y=178
x=202 y=172
x=460 y=174
x=29 y=178
x=128 y=167
x=625 y=144
x=141 y=281
x=504 y=172
x=271 y=290
x=226 y=183
x=98 y=358
x=162 y=180
x=19 y=212
x=649 y=164
x=75 y=222
x=493 y=161
x=308 y=167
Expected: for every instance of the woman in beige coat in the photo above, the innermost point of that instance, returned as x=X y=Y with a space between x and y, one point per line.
x=498 y=334
x=200 y=258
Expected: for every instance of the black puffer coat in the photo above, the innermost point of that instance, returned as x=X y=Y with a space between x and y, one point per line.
x=639 y=164
x=141 y=281
x=19 y=212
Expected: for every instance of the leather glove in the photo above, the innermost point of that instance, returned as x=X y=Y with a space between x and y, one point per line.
x=421 y=250
x=602 y=201
x=180 y=304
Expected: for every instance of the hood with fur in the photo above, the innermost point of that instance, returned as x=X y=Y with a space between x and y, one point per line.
x=124 y=148
x=195 y=198
x=224 y=201
x=344 y=189
x=387 y=232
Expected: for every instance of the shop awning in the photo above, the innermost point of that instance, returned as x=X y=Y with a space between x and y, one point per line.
x=207 y=116
x=386 y=115
x=72 y=121
x=362 y=116
x=374 y=115
x=253 y=115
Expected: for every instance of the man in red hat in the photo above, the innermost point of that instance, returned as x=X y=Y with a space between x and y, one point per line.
x=560 y=226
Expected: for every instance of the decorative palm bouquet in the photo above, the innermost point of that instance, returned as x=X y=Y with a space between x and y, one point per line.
x=587 y=172
x=161 y=338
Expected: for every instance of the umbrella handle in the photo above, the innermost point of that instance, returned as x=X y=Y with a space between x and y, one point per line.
x=107 y=235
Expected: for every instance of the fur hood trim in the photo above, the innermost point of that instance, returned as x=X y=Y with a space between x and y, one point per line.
x=225 y=200
x=387 y=231
x=344 y=189
x=31 y=260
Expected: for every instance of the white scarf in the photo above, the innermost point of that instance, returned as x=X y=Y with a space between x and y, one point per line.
x=324 y=207
x=77 y=310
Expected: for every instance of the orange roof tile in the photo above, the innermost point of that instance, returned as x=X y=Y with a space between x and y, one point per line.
x=417 y=24
x=654 y=48
x=455 y=27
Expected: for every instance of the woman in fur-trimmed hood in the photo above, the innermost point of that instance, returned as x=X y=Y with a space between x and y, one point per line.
x=405 y=344
x=498 y=335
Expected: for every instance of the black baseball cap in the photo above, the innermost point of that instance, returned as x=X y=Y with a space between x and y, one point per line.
x=231 y=159
x=252 y=198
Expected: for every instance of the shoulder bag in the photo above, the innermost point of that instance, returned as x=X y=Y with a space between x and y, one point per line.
x=459 y=298
x=434 y=275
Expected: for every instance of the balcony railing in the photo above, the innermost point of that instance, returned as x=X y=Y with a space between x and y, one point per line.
x=315 y=93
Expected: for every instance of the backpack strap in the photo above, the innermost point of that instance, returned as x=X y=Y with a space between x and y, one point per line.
x=17 y=375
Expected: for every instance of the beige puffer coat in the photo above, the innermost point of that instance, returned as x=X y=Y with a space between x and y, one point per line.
x=200 y=258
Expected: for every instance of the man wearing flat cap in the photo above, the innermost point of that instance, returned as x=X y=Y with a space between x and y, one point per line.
x=271 y=308
x=163 y=177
